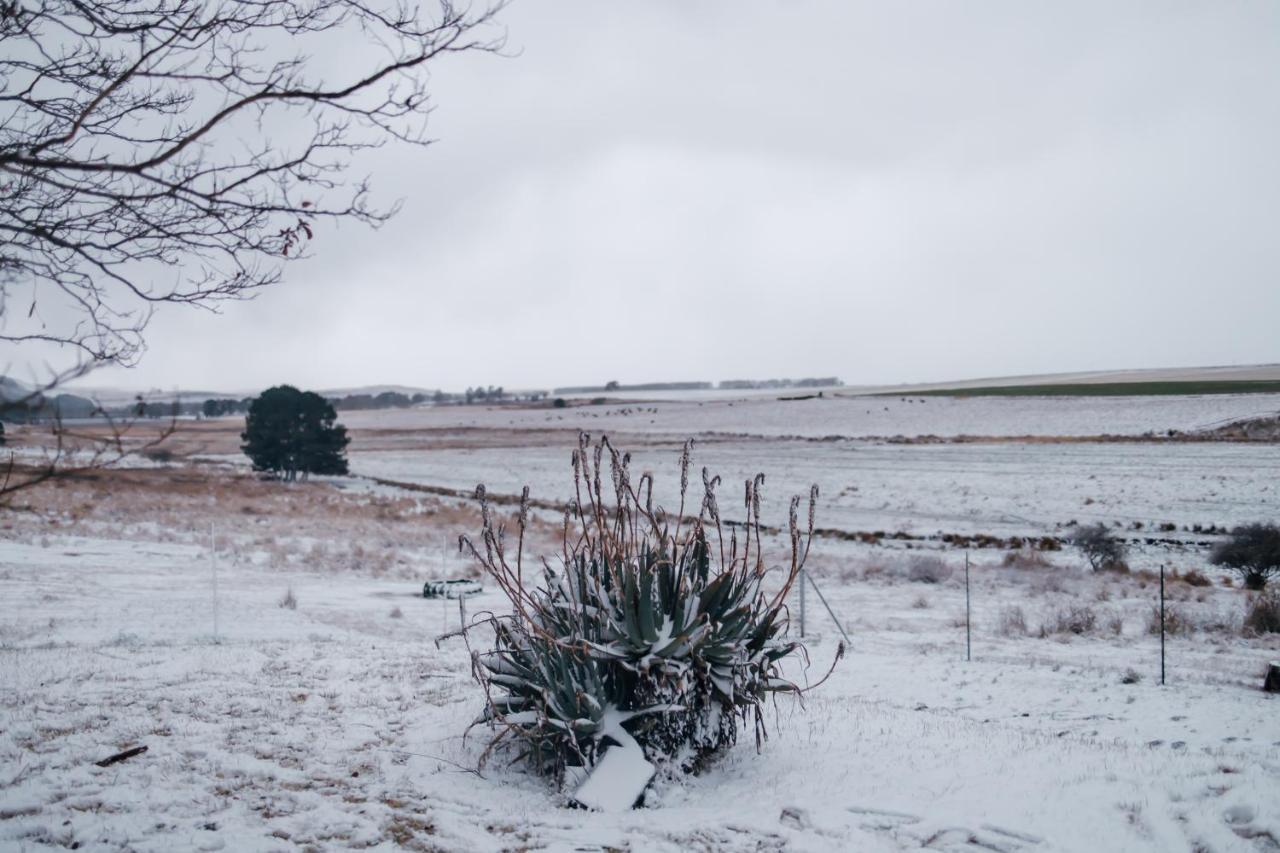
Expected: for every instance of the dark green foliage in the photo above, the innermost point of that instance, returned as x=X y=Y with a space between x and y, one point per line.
x=648 y=629
x=290 y=432
x=1253 y=552
x=216 y=408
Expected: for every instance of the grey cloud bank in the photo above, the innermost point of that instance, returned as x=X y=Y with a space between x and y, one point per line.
x=885 y=192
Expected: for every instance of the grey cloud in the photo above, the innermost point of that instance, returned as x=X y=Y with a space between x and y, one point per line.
x=884 y=191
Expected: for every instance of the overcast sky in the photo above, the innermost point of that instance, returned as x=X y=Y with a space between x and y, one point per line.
x=890 y=191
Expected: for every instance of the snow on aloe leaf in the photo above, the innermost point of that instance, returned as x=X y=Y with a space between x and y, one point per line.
x=643 y=622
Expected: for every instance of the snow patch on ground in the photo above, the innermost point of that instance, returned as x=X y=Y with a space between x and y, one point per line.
x=336 y=725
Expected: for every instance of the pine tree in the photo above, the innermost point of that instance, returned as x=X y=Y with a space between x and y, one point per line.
x=290 y=432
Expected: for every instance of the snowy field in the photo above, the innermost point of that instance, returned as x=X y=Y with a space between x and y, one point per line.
x=1004 y=489
x=337 y=723
x=846 y=416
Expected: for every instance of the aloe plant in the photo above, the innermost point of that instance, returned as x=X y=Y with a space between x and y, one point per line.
x=651 y=629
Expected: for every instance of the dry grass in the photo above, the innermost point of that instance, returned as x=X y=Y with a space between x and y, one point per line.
x=1078 y=619
x=1048 y=582
x=1011 y=622
x=1026 y=559
x=1191 y=577
x=315 y=526
x=1263 y=615
x=923 y=569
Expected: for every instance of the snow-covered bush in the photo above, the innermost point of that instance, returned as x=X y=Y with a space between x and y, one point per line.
x=1011 y=622
x=1263 y=615
x=653 y=631
x=928 y=570
x=1252 y=552
x=1073 y=619
x=1103 y=550
x=1175 y=620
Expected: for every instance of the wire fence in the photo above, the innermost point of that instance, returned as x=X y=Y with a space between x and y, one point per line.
x=807 y=582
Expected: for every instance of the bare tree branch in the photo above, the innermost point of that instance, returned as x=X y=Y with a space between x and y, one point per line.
x=181 y=151
x=69 y=452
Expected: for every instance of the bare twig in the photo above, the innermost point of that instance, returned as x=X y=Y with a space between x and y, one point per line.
x=121 y=756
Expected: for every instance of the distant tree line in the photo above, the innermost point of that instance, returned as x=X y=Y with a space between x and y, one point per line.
x=32 y=408
x=807 y=382
x=217 y=408
x=726 y=385
x=647 y=386
x=385 y=400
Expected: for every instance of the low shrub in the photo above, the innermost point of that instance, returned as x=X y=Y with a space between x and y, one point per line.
x=290 y=601
x=1048 y=582
x=1115 y=624
x=1194 y=578
x=1025 y=558
x=1263 y=614
x=1103 y=550
x=1252 y=552
x=1220 y=622
x=1176 y=620
x=874 y=570
x=1146 y=576
x=1131 y=676
x=1075 y=619
x=1011 y=622
x=928 y=570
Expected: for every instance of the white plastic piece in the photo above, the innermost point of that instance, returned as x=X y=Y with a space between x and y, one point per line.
x=617 y=780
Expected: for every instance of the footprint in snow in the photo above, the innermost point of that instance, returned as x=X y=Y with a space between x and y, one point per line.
x=987 y=837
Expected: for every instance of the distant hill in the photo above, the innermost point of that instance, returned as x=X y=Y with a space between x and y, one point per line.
x=120 y=396
x=1234 y=379
x=20 y=402
x=1178 y=380
x=12 y=389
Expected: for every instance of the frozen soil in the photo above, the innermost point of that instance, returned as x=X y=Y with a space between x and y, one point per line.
x=338 y=723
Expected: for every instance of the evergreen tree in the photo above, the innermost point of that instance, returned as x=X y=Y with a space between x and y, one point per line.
x=290 y=432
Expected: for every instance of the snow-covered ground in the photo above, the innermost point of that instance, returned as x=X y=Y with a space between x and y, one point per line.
x=847 y=416
x=339 y=723
x=1006 y=489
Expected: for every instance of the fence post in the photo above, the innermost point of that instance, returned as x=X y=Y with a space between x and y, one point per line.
x=968 y=633
x=213 y=563
x=802 y=580
x=830 y=612
x=1162 y=624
